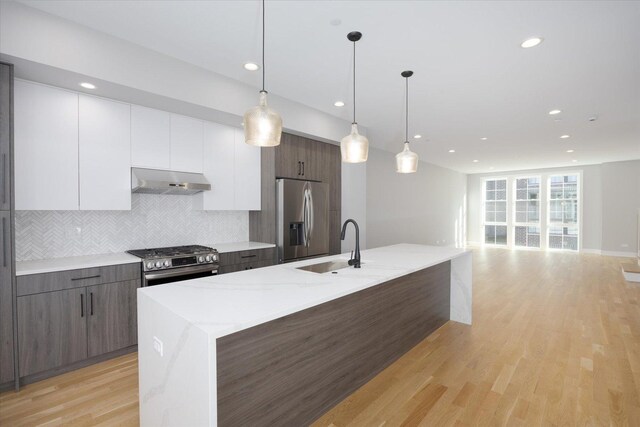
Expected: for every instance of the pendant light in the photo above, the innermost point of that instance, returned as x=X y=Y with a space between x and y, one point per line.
x=354 y=147
x=262 y=125
x=406 y=160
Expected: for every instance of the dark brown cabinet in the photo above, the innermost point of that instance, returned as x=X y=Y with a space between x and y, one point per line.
x=52 y=330
x=7 y=260
x=246 y=260
x=65 y=317
x=301 y=158
x=298 y=158
x=112 y=317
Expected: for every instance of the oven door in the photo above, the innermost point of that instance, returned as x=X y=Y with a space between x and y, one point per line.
x=160 y=277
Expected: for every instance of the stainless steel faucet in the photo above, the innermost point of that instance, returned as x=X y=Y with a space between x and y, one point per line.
x=355 y=260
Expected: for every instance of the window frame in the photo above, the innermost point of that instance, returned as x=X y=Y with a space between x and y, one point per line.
x=578 y=223
x=514 y=201
x=484 y=221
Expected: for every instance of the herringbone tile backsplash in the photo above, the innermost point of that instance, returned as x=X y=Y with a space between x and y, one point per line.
x=153 y=221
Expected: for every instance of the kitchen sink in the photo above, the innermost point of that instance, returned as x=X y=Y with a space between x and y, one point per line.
x=325 y=267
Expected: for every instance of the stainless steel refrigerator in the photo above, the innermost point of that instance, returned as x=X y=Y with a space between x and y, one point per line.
x=303 y=219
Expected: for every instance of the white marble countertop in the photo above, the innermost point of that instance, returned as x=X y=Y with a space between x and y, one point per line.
x=240 y=246
x=220 y=305
x=73 y=263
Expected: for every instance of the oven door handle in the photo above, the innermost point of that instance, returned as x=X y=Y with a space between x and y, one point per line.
x=181 y=271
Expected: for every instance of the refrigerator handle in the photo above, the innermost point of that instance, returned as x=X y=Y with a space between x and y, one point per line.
x=304 y=217
x=310 y=208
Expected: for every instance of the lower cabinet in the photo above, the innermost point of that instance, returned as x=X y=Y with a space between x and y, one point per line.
x=246 y=260
x=62 y=327
x=246 y=266
x=52 y=330
x=112 y=320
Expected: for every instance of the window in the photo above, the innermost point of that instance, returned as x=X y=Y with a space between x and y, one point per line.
x=526 y=230
x=495 y=212
x=563 y=228
x=533 y=211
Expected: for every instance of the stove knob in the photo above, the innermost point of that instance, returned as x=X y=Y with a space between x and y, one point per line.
x=200 y=258
x=158 y=264
x=208 y=258
x=149 y=265
x=167 y=263
x=215 y=257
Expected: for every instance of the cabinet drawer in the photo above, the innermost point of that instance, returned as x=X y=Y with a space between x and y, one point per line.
x=241 y=257
x=68 y=279
x=245 y=266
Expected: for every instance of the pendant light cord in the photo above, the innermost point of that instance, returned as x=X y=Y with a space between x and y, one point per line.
x=263 y=45
x=406 y=123
x=354 y=82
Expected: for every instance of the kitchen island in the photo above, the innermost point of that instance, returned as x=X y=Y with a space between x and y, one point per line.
x=280 y=345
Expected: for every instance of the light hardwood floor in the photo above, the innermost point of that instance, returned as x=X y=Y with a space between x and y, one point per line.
x=555 y=341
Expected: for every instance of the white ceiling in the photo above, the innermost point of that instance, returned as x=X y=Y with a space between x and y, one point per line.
x=472 y=79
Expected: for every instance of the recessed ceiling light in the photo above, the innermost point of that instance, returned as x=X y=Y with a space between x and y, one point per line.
x=569 y=151
x=452 y=151
x=565 y=136
x=251 y=66
x=87 y=85
x=475 y=161
x=484 y=138
x=339 y=104
x=554 y=112
x=417 y=136
x=533 y=41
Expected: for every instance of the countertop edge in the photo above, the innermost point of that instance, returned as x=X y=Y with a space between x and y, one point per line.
x=53 y=265
x=233 y=328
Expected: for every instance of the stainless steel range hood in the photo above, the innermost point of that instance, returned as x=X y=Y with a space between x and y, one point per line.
x=156 y=181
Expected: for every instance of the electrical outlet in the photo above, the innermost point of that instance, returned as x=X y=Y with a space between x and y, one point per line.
x=624 y=245
x=157 y=346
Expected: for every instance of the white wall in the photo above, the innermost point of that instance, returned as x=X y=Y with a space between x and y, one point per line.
x=610 y=201
x=620 y=202
x=427 y=207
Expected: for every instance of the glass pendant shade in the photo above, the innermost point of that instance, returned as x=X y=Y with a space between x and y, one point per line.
x=406 y=160
x=354 y=147
x=262 y=125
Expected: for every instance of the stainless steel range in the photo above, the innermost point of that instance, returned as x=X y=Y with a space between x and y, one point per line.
x=173 y=264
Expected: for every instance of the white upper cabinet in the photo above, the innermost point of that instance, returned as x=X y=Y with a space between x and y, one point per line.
x=218 y=167
x=187 y=136
x=150 y=138
x=233 y=169
x=46 y=147
x=247 y=174
x=105 y=154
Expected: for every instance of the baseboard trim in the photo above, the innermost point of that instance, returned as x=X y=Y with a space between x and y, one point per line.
x=620 y=254
x=592 y=251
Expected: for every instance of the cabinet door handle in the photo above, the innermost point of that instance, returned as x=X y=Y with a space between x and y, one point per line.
x=81 y=305
x=299 y=167
x=85 y=278
x=91 y=296
x=302 y=168
x=248 y=256
x=5 y=170
x=5 y=240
